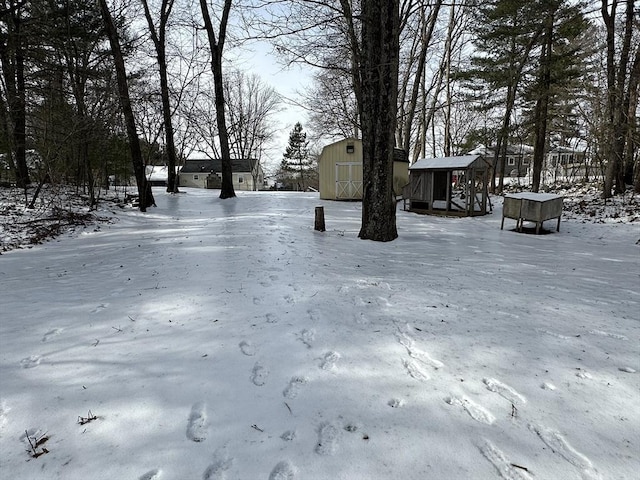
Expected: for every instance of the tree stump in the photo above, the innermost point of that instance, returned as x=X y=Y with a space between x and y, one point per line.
x=319 y=224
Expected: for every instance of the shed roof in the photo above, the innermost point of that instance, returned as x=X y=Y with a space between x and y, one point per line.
x=447 y=163
x=238 y=165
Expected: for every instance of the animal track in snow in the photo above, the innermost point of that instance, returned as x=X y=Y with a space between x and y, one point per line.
x=414 y=370
x=247 y=348
x=283 y=471
x=30 y=362
x=328 y=435
x=218 y=469
x=294 y=385
x=259 y=374
x=308 y=336
x=504 y=390
x=607 y=334
x=272 y=318
x=559 y=445
x=152 y=475
x=329 y=360
x=288 y=436
x=475 y=411
x=197 y=423
x=52 y=333
x=504 y=466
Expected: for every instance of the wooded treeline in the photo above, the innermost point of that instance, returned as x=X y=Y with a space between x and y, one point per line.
x=432 y=77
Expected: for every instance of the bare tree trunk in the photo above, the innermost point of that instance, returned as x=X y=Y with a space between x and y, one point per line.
x=217 y=47
x=542 y=103
x=616 y=98
x=378 y=110
x=145 y=195
x=428 y=26
x=158 y=36
x=12 y=57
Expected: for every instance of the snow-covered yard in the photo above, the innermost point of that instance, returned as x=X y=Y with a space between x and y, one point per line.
x=211 y=339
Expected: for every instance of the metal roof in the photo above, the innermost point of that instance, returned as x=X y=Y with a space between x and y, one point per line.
x=446 y=163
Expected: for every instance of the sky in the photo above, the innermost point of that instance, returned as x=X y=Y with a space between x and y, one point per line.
x=226 y=339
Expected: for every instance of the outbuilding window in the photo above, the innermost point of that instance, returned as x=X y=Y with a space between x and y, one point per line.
x=351 y=148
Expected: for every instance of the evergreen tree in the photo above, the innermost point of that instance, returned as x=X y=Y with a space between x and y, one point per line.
x=297 y=164
x=506 y=34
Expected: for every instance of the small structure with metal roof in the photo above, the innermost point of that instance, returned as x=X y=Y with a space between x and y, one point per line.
x=448 y=186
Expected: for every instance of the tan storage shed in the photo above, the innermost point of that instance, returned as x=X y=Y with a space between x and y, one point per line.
x=340 y=170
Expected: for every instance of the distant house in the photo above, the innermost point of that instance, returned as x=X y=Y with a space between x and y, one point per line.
x=157 y=175
x=518 y=158
x=340 y=170
x=448 y=186
x=565 y=157
x=207 y=173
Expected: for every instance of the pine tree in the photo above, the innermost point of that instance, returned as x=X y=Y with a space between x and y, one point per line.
x=297 y=164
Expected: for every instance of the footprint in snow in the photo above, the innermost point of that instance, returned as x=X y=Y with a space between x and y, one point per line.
x=294 y=385
x=259 y=374
x=218 y=469
x=4 y=410
x=99 y=308
x=559 y=445
x=329 y=360
x=396 y=403
x=506 y=468
x=283 y=471
x=288 y=436
x=30 y=362
x=197 y=423
x=475 y=411
x=607 y=334
x=308 y=336
x=627 y=369
x=504 y=390
x=414 y=352
x=247 y=348
x=272 y=318
x=414 y=370
x=328 y=435
x=52 y=333
x=151 y=475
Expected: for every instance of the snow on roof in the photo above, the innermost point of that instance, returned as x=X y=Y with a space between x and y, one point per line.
x=446 y=162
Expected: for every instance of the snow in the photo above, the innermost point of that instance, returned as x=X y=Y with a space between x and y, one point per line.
x=213 y=339
x=536 y=197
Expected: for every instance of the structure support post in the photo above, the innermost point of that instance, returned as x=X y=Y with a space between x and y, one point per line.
x=319 y=221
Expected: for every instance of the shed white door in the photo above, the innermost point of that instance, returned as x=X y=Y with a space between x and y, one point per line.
x=348 y=181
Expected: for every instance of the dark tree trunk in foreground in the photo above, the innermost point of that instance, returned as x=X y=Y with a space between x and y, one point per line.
x=217 y=46
x=144 y=188
x=378 y=109
x=12 y=48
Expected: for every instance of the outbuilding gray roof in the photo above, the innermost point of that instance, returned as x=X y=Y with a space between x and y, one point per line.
x=446 y=163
